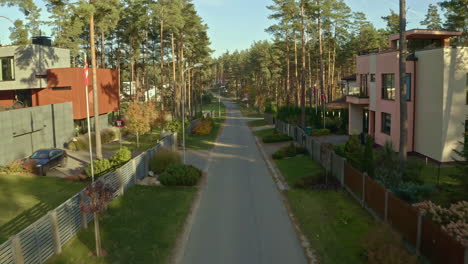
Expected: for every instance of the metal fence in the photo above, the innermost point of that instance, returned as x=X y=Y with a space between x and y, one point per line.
x=419 y=231
x=46 y=237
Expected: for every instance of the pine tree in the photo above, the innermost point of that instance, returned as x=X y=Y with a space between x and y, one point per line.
x=456 y=12
x=432 y=20
x=393 y=22
x=19 y=33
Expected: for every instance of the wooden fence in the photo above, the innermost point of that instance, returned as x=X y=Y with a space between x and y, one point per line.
x=425 y=236
x=46 y=237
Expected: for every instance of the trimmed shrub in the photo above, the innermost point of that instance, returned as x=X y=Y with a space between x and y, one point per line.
x=354 y=152
x=320 y=132
x=203 y=127
x=180 y=175
x=412 y=192
x=15 y=167
x=108 y=135
x=340 y=150
x=100 y=167
x=164 y=159
x=382 y=245
x=277 y=137
x=290 y=151
x=413 y=172
x=120 y=157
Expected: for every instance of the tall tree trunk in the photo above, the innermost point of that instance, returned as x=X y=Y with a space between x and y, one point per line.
x=103 y=51
x=403 y=111
x=96 y=118
x=97 y=128
x=174 y=79
x=303 y=117
x=310 y=70
x=145 y=65
x=296 y=74
x=288 y=70
x=319 y=24
x=162 y=64
x=189 y=99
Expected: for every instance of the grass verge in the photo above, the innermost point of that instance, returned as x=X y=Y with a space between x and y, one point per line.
x=265 y=132
x=140 y=227
x=24 y=199
x=332 y=221
x=207 y=141
x=249 y=112
x=257 y=123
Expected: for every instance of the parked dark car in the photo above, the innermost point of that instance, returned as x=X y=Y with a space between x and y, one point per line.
x=46 y=159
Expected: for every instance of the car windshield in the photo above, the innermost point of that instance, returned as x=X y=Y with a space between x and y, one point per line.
x=40 y=155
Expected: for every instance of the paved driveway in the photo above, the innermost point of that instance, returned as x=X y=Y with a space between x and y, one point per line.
x=241 y=218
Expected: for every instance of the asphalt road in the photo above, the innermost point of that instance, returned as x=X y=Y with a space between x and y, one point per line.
x=241 y=218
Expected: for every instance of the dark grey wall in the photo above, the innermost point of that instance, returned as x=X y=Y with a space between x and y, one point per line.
x=22 y=131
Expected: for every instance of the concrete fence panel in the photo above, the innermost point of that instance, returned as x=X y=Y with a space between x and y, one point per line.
x=45 y=237
x=338 y=167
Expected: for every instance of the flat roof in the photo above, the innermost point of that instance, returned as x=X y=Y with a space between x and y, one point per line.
x=426 y=34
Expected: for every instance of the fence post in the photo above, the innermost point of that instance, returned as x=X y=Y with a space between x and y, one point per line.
x=386 y=205
x=55 y=231
x=17 y=250
x=174 y=142
x=134 y=171
x=363 y=195
x=419 y=233
x=84 y=218
x=121 y=181
x=147 y=160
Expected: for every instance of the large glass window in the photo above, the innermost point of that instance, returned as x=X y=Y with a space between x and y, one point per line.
x=408 y=87
x=388 y=86
x=386 y=123
x=7 y=69
x=363 y=90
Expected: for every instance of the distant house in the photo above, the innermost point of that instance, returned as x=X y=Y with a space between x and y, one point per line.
x=437 y=94
x=39 y=74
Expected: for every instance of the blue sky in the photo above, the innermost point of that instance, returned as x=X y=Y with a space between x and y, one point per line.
x=235 y=24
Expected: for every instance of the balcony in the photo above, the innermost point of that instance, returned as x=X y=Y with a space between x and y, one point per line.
x=357 y=95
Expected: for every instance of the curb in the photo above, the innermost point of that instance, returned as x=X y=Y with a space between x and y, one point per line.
x=282 y=186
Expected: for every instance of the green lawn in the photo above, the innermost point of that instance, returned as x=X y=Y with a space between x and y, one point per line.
x=295 y=168
x=207 y=141
x=448 y=189
x=24 y=199
x=257 y=123
x=265 y=132
x=332 y=221
x=139 y=227
x=147 y=141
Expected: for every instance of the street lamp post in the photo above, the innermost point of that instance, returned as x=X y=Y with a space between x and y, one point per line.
x=183 y=111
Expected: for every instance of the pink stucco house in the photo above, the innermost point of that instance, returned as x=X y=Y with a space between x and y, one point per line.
x=437 y=88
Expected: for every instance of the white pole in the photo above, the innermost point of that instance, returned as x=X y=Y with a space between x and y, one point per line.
x=89 y=127
x=219 y=102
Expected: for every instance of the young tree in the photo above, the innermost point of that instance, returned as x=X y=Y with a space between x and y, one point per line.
x=137 y=120
x=99 y=196
x=432 y=20
x=461 y=160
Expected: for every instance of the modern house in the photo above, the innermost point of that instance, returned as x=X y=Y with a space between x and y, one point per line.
x=39 y=74
x=437 y=95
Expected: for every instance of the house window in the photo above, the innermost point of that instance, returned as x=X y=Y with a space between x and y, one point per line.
x=7 y=69
x=408 y=87
x=372 y=77
x=363 y=86
x=386 y=123
x=388 y=86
